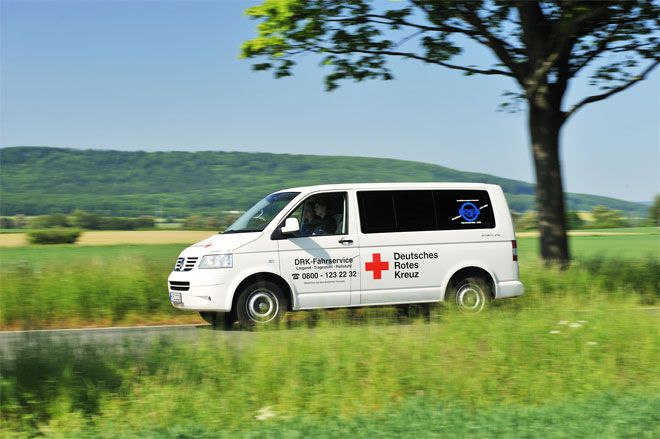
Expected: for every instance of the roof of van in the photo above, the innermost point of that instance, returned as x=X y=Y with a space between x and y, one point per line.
x=385 y=186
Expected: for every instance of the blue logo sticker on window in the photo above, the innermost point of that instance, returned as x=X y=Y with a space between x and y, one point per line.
x=469 y=212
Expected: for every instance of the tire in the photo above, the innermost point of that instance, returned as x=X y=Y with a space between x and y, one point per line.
x=260 y=303
x=471 y=295
x=222 y=320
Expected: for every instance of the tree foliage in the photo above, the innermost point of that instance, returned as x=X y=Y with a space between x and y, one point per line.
x=605 y=218
x=574 y=221
x=528 y=221
x=50 y=221
x=7 y=223
x=537 y=44
x=654 y=212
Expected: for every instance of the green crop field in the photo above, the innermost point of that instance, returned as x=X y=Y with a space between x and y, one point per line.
x=571 y=368
x=576 y=356
x=69 y=286
x=627 y=246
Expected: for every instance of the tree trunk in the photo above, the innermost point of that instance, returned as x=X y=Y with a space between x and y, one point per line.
x=545 y=124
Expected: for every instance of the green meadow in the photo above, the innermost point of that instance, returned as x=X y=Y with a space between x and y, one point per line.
x=619 y=245
x=576 y=356
x=561 y=367
x=68 y=285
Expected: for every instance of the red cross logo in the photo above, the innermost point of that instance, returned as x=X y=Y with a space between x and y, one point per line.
x=376 y=265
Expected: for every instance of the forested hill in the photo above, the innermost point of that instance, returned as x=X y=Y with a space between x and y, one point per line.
x=39 y=180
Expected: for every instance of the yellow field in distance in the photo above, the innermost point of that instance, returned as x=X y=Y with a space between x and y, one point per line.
x=112 y=237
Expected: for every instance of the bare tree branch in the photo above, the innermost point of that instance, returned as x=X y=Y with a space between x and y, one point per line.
x=410 y=55
x=441 y=28
x=404 y=40
x=377 y=19
x=622 y=87
x=497 y=45
x=590 y=56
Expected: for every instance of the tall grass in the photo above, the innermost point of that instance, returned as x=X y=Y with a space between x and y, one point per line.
x=133 y=287
x=575 y=356
x=339 y=369
x=94 y=290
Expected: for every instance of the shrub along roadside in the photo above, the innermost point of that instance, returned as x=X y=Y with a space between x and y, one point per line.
x=54 y=236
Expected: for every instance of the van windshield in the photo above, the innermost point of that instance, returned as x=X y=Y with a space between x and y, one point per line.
x=261 y=214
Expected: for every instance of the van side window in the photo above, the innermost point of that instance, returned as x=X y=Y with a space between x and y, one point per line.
x=464 y=209
x=415 y=211
x=396 y=211
x=376 y=212
x=423 y=210
x=322 y=214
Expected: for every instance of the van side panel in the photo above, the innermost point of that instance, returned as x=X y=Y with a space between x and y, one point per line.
x=404 y=267
x=425 y=278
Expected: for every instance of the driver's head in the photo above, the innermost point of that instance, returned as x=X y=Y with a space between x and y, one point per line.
x=309 y=211
x=320 y=208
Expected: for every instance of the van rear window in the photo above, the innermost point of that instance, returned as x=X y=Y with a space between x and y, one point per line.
x=424 y=210
x=464 y=209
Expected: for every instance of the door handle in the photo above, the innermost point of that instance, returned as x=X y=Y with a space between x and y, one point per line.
x=346 y=241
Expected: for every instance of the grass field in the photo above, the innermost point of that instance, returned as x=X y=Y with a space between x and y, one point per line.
x=625 y=230
x=628 y=246
x=641 y=244
x=77 y=286
x=574 y=368
x=576 y=356
x=11 y=238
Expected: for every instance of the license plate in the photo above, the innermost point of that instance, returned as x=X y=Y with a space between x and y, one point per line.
x=175 y=297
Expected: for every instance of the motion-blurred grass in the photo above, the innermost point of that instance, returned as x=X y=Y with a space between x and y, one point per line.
x=67 y=286
x=576 y=356
x=559 y=370
x=621 y=246
x=75 y=286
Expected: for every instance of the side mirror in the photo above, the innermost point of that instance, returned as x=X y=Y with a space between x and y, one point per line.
x=291 y=225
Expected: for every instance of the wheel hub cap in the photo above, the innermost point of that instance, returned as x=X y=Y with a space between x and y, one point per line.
x=470 y=298
x=262 y=306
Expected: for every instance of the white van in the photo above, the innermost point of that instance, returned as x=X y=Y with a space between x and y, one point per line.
x=353 y=245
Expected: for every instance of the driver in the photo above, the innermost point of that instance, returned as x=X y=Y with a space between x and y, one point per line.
x=324 y=225
x=310 y=220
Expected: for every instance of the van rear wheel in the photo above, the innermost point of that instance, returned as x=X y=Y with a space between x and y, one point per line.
x=260 y=303
x=471 y=295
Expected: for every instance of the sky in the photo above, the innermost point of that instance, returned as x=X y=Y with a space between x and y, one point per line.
x=165 y=75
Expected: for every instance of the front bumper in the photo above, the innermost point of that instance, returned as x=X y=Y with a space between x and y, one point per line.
x=198 y=294
x=511 y=288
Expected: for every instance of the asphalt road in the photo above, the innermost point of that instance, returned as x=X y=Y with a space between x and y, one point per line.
x=140 y=336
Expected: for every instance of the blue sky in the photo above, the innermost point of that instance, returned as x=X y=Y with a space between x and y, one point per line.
x=152 y=75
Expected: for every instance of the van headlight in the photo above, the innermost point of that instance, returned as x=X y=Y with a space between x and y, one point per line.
x=217 y=261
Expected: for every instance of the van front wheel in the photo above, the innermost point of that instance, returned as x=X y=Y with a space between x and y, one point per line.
x=221 y=320
x=260 y=302
x=471 y=295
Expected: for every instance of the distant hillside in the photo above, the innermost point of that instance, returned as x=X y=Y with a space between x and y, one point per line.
x=38 y=180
